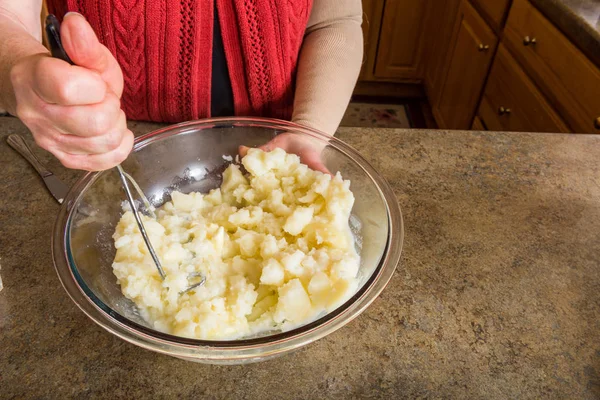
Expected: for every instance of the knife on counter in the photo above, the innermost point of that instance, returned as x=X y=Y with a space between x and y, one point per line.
x=56 y=187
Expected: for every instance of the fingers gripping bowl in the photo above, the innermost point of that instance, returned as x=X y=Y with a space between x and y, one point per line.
x=191 y=157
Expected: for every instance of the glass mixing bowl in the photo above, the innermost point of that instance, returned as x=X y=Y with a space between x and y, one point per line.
x=191 y=157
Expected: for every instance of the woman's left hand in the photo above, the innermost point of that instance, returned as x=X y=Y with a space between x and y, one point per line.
x=309 y=153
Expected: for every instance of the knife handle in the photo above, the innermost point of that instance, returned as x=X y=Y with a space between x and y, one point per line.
x=18 y=143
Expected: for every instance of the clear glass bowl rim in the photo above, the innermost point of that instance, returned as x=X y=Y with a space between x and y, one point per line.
x=263 y=347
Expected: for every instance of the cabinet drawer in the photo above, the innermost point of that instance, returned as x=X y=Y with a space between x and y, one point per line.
x=493 y=10
x=569 y=80
x=511 y=102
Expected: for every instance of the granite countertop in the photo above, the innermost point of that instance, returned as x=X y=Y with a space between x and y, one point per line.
x=497 y=294
x=579 y=20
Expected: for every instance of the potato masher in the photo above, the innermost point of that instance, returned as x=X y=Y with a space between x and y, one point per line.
x=57 y=50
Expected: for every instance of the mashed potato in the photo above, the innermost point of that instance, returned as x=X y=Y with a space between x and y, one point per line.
x=275 y=248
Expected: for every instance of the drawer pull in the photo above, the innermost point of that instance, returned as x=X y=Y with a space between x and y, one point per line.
x=483 y=47
x=504 y=111
x=597 y=123
x=529 y=41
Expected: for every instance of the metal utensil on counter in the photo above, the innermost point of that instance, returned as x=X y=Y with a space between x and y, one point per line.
x=58 y=51
x=55 y=186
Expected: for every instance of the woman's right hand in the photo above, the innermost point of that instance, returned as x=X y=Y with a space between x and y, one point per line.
x=74 y=112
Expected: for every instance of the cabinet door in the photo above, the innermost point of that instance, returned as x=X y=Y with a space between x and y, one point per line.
x=399 y=51
x=493 y=10
x=442 y=15
x=565 y=75
x=477 y=125
x=511 y=102
x=372 y=14
x=474 y=47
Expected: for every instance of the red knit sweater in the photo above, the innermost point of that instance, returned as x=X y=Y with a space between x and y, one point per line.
x=165 y=51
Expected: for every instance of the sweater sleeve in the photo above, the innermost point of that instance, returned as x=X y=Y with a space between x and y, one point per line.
x=329 y=64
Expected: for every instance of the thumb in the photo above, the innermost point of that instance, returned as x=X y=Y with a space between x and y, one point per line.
x=84 y=48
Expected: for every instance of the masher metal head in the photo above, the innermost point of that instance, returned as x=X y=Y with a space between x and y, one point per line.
x=138 y=219
x=125 y=177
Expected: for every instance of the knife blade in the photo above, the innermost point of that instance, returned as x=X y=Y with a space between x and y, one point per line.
x=55 y=186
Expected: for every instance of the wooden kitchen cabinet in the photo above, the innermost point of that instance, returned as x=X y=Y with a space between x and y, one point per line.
x=474 y=45
x=564 y=74
x=441 y=15
x=494 y=11
x=511 y=102
x=478 y=124
x=538 y=80
x=400 y=36
x=372 y=14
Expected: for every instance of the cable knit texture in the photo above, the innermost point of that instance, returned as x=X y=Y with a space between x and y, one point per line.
x=165 y=51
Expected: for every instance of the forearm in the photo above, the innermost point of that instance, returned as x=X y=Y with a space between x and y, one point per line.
x=328 y=68
x=20 y=34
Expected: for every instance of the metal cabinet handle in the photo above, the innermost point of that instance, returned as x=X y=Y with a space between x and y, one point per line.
x=597 y=123
x=504 y=111
x=483 y=47
x=529 y=41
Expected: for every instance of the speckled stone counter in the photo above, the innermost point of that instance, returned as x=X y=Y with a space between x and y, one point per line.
x=497 y=294
x=579 y=20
